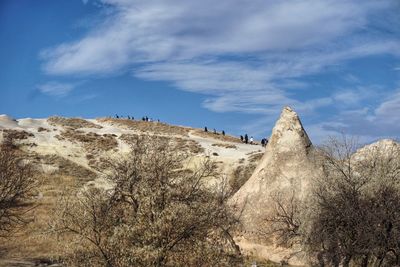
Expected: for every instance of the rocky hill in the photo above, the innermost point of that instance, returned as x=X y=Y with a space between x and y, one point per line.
x=75 y=151
x=81 y=147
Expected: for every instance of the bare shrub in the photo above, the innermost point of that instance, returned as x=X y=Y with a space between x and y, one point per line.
x=352 y=216
x=174 y=143
x=220 y=137
x=158 y=214
x=286 y=220
x=72 y=123
x=224 y=145
x=16 y=184
x=243 y=172
x=148 y=127
x=16 y=134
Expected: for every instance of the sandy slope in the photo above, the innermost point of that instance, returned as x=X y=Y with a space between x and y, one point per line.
x=47 y=142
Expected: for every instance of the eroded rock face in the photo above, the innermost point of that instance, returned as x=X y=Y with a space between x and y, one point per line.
x=286 y=168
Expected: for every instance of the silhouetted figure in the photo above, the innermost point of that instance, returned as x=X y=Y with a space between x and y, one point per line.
x=147 y=118
x=116 y=116
x=215 y=131
x=246 y=138
x=129 y=117
x=223 y=132
x=241 y=138
x=205 y=129
x=143 y=119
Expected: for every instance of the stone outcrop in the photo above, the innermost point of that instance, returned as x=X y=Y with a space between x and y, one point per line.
x=286 y=168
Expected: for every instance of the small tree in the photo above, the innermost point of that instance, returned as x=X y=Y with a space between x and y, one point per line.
x=352 y=215
x=158 y=214
x=16 y=184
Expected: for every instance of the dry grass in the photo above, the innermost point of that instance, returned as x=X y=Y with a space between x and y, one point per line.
x=42 y=129
x=16 y=134
x=225 y=145
x=256 y=157
x=217 y=136
x=34 y=245
x=73 y=123
x=92 y=142
x=177 y=143
x=243 y=172
x=67 y=167
x=147 y=127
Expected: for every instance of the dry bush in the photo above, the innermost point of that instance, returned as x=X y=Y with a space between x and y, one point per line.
x=92 y=142
x=42 y=129
x=16 y=134
x=226 y=138
x=352 y=216
x=148 y=127
x=225 y=145
x=158 y=214
x=66 y=167
x=243 y=172
x=16 y=185
x=73 y=123
x=174 y=143
x=256 y=157
x=240 y=175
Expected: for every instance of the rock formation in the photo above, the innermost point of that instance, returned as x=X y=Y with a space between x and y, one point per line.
x=286 y=168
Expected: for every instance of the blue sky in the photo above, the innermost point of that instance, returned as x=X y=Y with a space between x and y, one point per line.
x=227 y=64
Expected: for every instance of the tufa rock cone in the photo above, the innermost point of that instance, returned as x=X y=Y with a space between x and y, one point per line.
x=286 y=168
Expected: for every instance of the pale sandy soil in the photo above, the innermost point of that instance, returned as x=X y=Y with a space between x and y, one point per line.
x=47 y=143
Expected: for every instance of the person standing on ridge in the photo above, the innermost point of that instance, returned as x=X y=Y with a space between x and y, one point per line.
x=246 y=138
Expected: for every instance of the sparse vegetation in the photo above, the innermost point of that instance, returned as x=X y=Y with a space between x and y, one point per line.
x=225 y=145
x=42 y=129
x=72 y=123
x=242 y=172
x=158 y=214
x=352 y=217
x=91 y=141
x=148 y=127
x=16 y=185
x=174 y=143
x=16 y=134
x=220 y=137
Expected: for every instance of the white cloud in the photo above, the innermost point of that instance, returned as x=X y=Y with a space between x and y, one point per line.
x=369 y=122
x=56 y=89
x=247 y=56
x=153 y=31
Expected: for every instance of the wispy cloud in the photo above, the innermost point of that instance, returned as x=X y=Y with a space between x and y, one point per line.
x=246 y=56
x=56 y=89
x=370 y=122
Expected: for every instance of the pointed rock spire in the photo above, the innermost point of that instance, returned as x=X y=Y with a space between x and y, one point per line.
x=286 y=168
